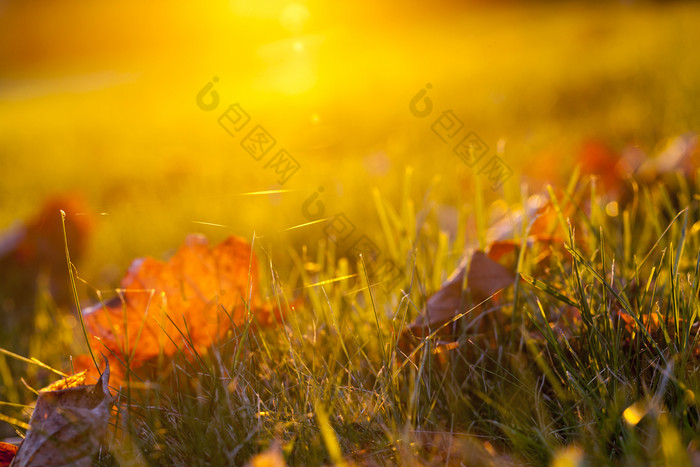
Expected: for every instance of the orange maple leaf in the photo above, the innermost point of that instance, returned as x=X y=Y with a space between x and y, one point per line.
x=7 y=453
x=187 y=303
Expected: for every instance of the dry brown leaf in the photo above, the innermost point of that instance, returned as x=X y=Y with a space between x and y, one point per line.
x=486 y=277
x=502 y=248
x=444 y=304
x=7 y=453
x=546 y=226
x=32 y=258
x=192 y=299
x=68 y=425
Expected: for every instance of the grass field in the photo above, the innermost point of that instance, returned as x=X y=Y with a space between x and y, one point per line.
x=102 y=100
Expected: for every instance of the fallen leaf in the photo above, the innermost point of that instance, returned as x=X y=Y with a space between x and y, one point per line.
x=7 y=453
x=192 y=300
x=444 y=304
x=68 y=425
x=33 y=259
x=599 y=159
x=486 y=277
x=502 y=248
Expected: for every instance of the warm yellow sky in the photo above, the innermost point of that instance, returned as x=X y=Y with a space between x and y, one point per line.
x=100 y=97
x=114 y=83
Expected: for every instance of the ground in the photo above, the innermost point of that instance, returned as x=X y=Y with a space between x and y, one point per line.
x=114 y=104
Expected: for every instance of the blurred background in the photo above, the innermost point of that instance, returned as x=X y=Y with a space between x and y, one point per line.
x=100 y=100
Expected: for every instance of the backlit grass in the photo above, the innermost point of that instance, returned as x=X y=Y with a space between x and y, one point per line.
x=333 y=382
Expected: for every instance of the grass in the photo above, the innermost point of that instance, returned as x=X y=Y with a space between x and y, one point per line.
x=591 y=355
x=332 y=382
